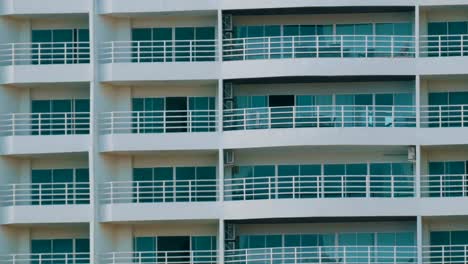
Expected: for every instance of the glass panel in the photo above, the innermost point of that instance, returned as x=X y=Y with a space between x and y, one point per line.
x=204 y=49
x=163 y=45
x=334 y=178
x=41 y=194
x=355 y=183
x=205 y=186
x=288 y=181
x=143 y=186
x=380 y=180
x=185 y=177
x=263 y=182
x=184 y=46
x=176 y=115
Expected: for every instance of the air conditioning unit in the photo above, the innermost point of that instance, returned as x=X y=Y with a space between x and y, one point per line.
x=412 y=153
x=229 y=232
x=227 y=35
x=228 y=91
x=228 y=105
x=227 y=22
x=228 y=157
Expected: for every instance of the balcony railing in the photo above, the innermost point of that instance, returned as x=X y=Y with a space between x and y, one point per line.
x=162 y=257
x=444 y=116
x=316 y=46
x=44 y=194
x=444 y=185
x=159 y=121
x=160 y=191
x=40 y=53
x=324 y=255
x=67 y=123
x=443 y=254
x=159 y=51
x=46 y=258
x=443 y=45
x=320 y=186
x=319 y=116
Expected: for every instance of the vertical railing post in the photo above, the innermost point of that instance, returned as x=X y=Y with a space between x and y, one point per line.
x=189 y=121
x=440 y=45
x=317 y=39
x=294 y=187
x=344 y=255
x=392 y=46
x=244 y=117
x=244 y=188
x=13 y=59
x=66 y=193
x=190 y=50
x=39 y=121
x=271 y=255
x=269 y=47
x=269 y=117
x=269 y=187
x=244 y=51
x=111 y=192
x=65 y=55
x=392 y=186
x=366 y=46
x=138 y=52
x=13 y=124
x=342 y=116
x=164 y=51
x=293 y=46
x=164 y=191
x=294 y=117
x=368 y=189
x=320 y=254
x=463 y=116
x=40 y=194
x=443 y=254
x=66 y=123
x=393 y=116
x=138 y=122
x=440 y=116
x=318 y=115
x=342 y=46
x=14 y=195
x=295 y=256
x=164 y=122
x=39 y=53
x=190 y=190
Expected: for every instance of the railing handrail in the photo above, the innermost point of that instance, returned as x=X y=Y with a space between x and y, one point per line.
x=158 y=111
x=372 y=107
x=322 y=36
x=157 y=251
x=155 y=181
x=159 y=41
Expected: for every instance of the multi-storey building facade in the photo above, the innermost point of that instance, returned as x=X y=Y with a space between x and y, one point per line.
x=237 y=132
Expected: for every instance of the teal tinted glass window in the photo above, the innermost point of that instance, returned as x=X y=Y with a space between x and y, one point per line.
x=292 y=240
x=41 y=246
x=62 y=245
x=82 y=245
x=438 y=98
x=273 y=241
x=437 y=28
x=440 y=238
x=145 y=244
x=257 y=241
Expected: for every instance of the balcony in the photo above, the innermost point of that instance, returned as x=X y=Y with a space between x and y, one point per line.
x=319 y=125
x=150 y=200
x=27 y=133
x=37 y=202
x=438 y=116
x=46 y=258
x=443 y=54
x=45 y=62
x=162 y=130
x=159 y=60
x=444 y=185
x=327 y=54
x=164 y=257
x=447 y=254
x=324 y=254
x=320 y=186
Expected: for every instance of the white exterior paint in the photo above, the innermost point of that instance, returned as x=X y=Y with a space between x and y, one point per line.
x=111 y=157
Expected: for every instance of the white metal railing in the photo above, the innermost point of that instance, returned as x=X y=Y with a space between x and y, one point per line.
x=44 y=53
x=319 y=116
x=444 y=116
x=158 y=51
x=319 y=186
x=444 y=185
x=159 y=191
x=443 y=45
x=158 y=121
x=445 y=254
x=324 y=255
x=46 y=258
x=44 y=193
x=66 y=123
x=317 y=46
x=162 y=257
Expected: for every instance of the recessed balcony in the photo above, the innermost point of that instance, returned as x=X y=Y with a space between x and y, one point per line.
x=318 y=54
x=42 y=62
x=37 y=202
x=169 y=199
x=324 y=254
x=443 y=54
x=162 y=130
x=182 y=257
x=159 y=60
x=47 y=258
x=28 y=133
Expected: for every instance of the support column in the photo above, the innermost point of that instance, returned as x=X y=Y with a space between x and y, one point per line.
x=221 y=241
x=417 y=98
x=416 y=30
x=419 y=239
x=418 y=171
